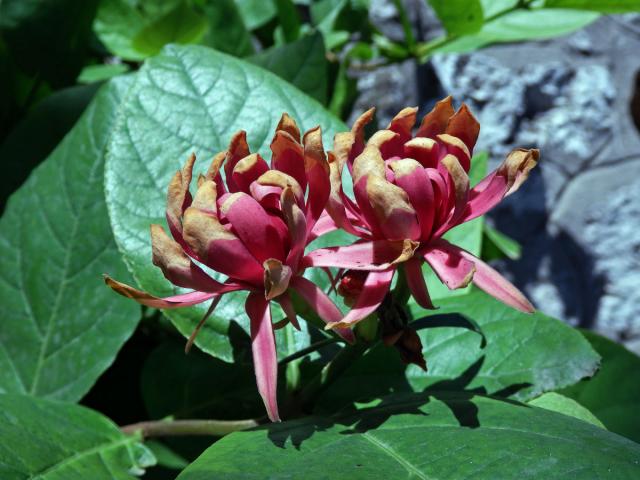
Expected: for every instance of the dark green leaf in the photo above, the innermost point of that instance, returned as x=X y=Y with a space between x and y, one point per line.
x=226 y=30
x=48 y=38
x=420 y=436
x=459 y=17
x=521 y=25
x=559 y=403
x=602 y=6
x=48 y=440
x=289 y=19
x=38 y=133
x=613 y=393
x=192 y=99
x=474 y=342
x=497 y=245
x=61 y=328
x=301 y=63
x=99 y=73
x=256 y=13
x=166 y=457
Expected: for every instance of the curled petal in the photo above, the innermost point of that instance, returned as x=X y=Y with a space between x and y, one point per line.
x=174 y=301
x=276 y=178
x=459 y=185
x=464 y=126
x=369 y=162
x=335 y=206
x=263 y=348
x=416 y=283
x=248 y=170
x=289 y=125
x=435 y=122
x=487 y=279
x=403 y=122
x=288 y=157
x=395 y=215
x=219 y=248
x=253 y=226
x=178 y=196
x=213 y=173
x=357 y=131
x=206 y=197
x=317 y=173
x=413 y=179
x=238 y=149
x=456 y=147
x=321 y=304
x=295 y=218
x=287 y=307
x=176 y=266
x=451 y=268
x=276 y=278
x=375 y=288
x=424 y=150
x=388 y=142
x=325 y=224
x=370 y=256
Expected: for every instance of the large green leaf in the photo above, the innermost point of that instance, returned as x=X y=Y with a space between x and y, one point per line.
x=459 y=17
x=521 y=25
x=474 y=342
x=61 y=328
x=256 y=13
x=613 y=394
x=602 y=6
x=567 y=406
x=301 y=63
x=49 y=440
x=48 y=38
x=429 y=437
x=192 y=99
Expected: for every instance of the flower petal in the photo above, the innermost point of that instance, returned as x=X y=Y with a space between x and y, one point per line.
x=435 y=122
x=335 y=206
x=317 y=173
x=178 y=197
x=289 y=125
x=451 y=268
x=287 y=307
x=276 y=278
x=263 y=348
x=403 y=122
x=396 y=217
x=413 y=179
x=424 y=150
x=370 y=256
x=294 y=216
x=321 y=304
x=375 y=288
x=288 y=157
x=456 y=147
x=489 y=280
x=253 y=226
x=416 y=283
x=238 y=149
x=219 y=248
x=464 y=126
x=390 y=143
x=176 y=266
x=458 y=182
x=248 y=170
x=276 y=178
x=324 y=225
x=174 y=301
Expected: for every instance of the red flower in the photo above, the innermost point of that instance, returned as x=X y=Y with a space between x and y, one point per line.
x=409 y=191
x=253 y=227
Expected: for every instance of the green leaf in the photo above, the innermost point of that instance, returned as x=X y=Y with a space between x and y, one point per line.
x=49 y=440
x=165 y=457
x=429 y=437
x=38 y=133
x=473 y=342
x=99 y=73
x=612 y=394
x=602 y=6
x=301 y=63
x=192 y=99
x=61 y=328
x=226 y=30
x=559 y=403
x=497 y=245
x=48 y=38
x=256 y=13
x=459 y=17
x=522 y=25
x=288 y=19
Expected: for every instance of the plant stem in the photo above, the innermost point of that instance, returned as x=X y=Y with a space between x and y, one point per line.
x=331 y=371
x=310 y=349
x=410 y=40
x=172 y=428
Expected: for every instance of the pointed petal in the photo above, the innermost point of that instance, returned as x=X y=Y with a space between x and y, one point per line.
x=324 y=225
x=174 y=301
x=451 y=268
x=321 y=304
x=276 y=178
x=176 y=266
x=178 y=196
x=238 y=149
x=489 y=280
x=357 y=130
x=294 y=216
x=335 y=206
x=403 y=122
x=458 y=182
x=289 y=125
x=248 y=170
x=375 y=288
x=388 y=142
x=456 y=147
x=219 y=248
x=371 y=255
x=317 y=173
x=424 y=150
x=213 y=173
x=287 y=306
x=253 y=226
x=464 y=126
x=206 y=197
x=413 y=179
x=276 y=278
x=435 y=122
x=288 y=157
x=416 y=283
x=395 y=215
x=263 y=348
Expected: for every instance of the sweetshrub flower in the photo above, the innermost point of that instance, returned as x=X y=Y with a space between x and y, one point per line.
x=252 y=226
x=409 y=191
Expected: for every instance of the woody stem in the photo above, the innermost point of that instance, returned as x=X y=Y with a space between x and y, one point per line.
x=171 y=428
